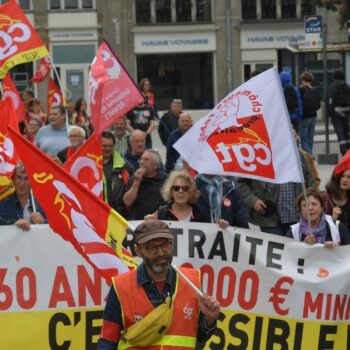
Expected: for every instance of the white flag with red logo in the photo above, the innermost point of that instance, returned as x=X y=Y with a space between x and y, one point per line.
x=112 y=92
x=10 y=92
x=248 y=134
x=43 y=70
x=86 y=165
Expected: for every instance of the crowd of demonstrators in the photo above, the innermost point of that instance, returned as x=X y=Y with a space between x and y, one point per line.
x=169 y=121
x=135 y=180
x=18 y=208
x=323 y=228
x=116 y=174
x=338 y=108
x=77 y=137
x=180 y=195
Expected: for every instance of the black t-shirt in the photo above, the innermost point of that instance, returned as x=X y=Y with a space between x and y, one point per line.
x=140 y=117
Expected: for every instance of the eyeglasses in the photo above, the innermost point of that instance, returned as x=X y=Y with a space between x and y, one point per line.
x=178 y=188
x=153 y=249
x=21 y=178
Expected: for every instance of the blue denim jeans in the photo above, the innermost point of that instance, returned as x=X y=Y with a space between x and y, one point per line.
x=307 y=131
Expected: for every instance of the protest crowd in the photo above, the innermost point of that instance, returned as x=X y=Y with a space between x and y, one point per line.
x=107 y=154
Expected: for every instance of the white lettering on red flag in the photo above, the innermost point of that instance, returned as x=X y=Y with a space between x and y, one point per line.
x=112 y=92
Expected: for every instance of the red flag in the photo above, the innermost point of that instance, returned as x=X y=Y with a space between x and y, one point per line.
x=74 y=213
x=112 y=91
x=43 y=70
x=8 y=156
x=10 y=92
x=55 y=97
x=20 y=43
x=86 y=165
x=344 y=164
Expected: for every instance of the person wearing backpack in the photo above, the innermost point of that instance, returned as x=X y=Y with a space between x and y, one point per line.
x=338 y=108
x=293 y=99
x=311 y=100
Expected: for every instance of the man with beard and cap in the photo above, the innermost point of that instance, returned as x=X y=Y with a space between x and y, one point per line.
x=138 y=294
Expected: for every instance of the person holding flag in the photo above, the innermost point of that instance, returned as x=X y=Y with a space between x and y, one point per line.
x=151 y=306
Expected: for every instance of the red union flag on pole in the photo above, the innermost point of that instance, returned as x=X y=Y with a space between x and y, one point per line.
x=86 y=165
x=10 y=92
x=20 y=43
x=43 y=70
x=8 y=156
x=112 y=92
x=75 y=214
x=54 y=97
x=248 y=134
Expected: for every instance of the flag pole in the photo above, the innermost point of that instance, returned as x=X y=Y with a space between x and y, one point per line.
x=33 y=201
x=195 y=288
x=60 y=85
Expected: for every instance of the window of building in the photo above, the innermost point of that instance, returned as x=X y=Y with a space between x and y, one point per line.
x=307 y=8
x=249 y=9
x=268 y=9
x=172 y=11
x=143 y=11
x=203 y=10
x=71 y=4
x=188 y=77
x=24 y=4
x=288 y=9
x=276 y=9
x=163 y=11
x=183 y=11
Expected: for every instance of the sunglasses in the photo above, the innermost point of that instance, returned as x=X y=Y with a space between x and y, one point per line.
x=178 y=188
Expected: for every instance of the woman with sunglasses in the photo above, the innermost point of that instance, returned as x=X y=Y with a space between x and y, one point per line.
x=180 y=193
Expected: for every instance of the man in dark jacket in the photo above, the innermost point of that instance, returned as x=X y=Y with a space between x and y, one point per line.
x=169 y=121
x=172 y=156
x=116 y=174
x=338 y=108
x=143 y=192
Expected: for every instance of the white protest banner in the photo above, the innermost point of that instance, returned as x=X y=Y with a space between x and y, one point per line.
x=276 y=293
x=247 y=134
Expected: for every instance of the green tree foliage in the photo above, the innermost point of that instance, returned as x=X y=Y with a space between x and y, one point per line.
x=341 y=6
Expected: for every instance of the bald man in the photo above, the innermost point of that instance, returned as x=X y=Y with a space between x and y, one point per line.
x=172 y=156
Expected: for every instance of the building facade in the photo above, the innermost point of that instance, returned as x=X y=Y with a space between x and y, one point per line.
x=194 y=50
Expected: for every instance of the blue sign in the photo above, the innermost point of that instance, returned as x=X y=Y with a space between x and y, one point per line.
x=313 y=24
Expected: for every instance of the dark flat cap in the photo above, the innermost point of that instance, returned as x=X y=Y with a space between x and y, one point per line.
x=151 y=229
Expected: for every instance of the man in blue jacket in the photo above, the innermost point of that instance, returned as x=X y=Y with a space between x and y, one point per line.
x=293 y=99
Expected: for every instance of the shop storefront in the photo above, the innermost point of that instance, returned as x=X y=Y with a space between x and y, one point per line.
x=179 y=65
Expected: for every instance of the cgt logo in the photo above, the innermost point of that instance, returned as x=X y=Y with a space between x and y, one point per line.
x=11 y=32
x=245 y=149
